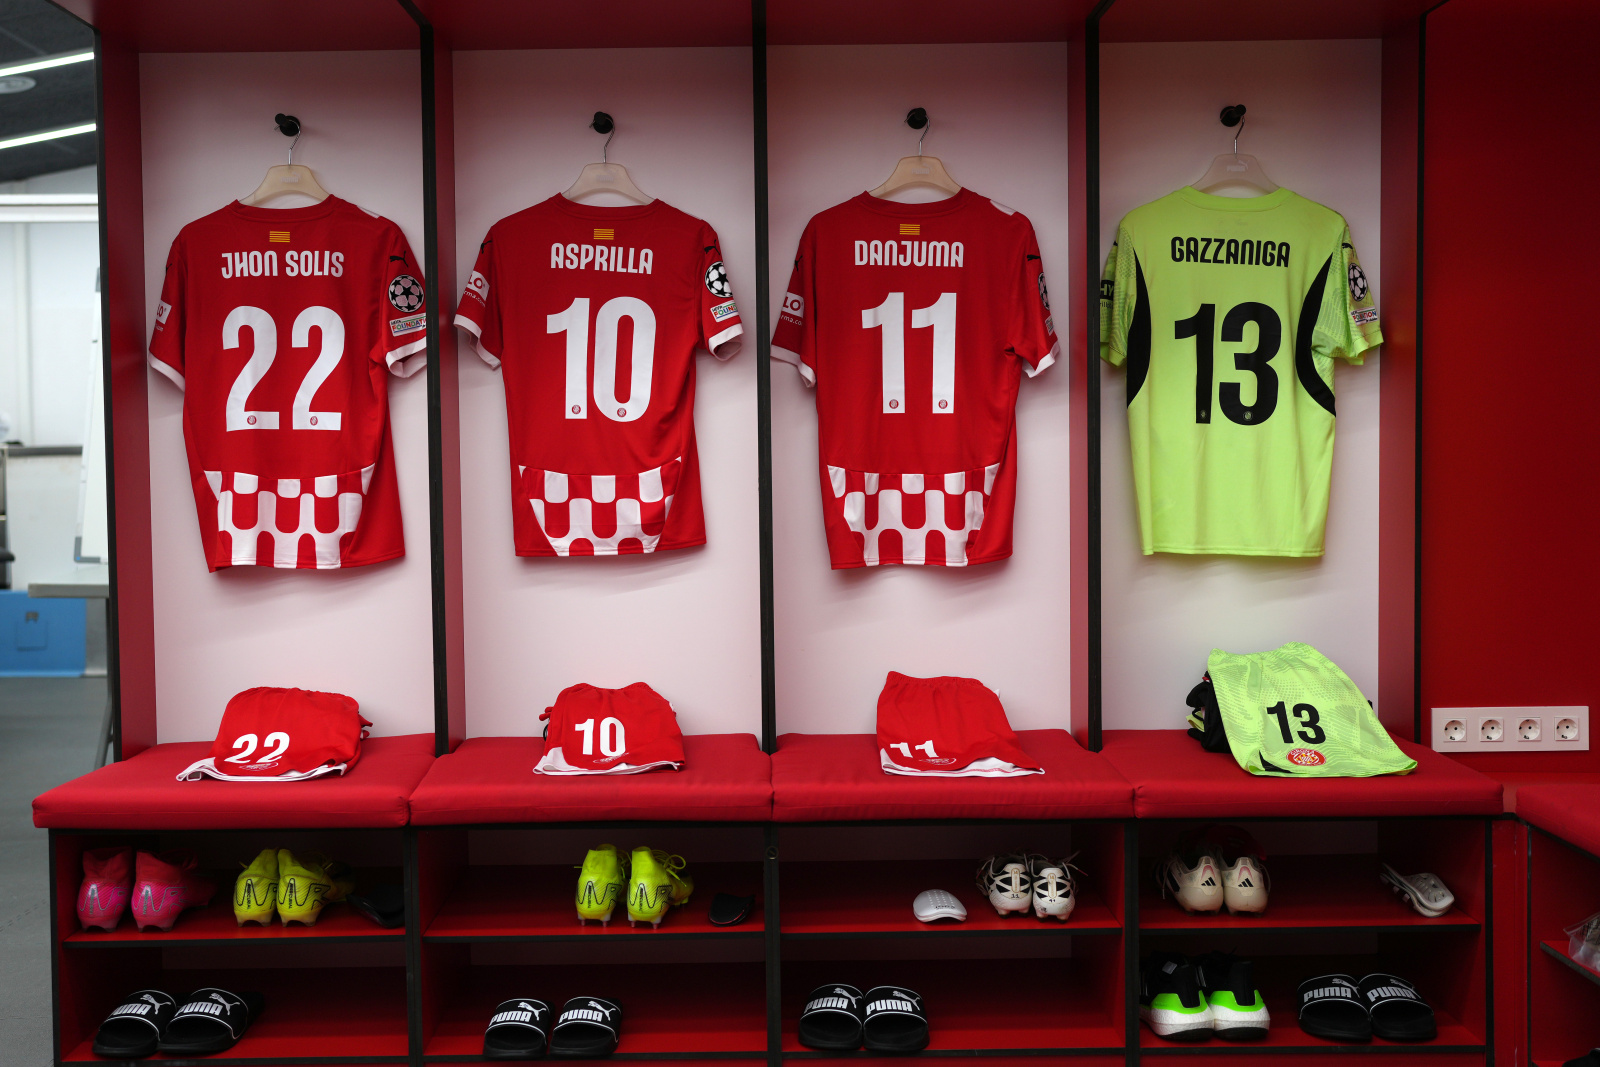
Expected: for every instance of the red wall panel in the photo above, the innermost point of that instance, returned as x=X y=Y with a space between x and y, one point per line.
x=1510 y=376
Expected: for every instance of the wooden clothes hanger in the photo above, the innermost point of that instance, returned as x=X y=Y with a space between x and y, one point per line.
x=606 y=177
x=918 y=169
x=287 y=178
x=1232 y=168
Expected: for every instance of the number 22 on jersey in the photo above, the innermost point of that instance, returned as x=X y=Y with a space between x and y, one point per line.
x=264 y=350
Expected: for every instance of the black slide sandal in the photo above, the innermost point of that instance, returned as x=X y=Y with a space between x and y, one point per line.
x=729 y=910
x=1332 y=1007
x=384 y=904
x=896 y=1021
x=1398 y=1011
x=519 y=1030
x=133 y=1029
x=210 y=1020
x=831 y=1021
x=589 y=1027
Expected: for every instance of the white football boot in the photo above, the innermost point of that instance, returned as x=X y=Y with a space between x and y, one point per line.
x=1196 y=887
x=1054 y=888
x=1006 y=882
x=1244 y=886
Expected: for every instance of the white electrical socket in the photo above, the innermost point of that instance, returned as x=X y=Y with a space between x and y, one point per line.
x=1532 y=729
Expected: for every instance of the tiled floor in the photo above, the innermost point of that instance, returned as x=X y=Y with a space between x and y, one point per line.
x=47 y=735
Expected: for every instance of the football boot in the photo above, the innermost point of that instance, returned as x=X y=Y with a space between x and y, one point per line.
x=107 y=883
x=1054 y=888
x=307 y=886
x=165 y=885
x=1194 y=884
x=255 y=892
x=1241 y=866
x=650 y=887
x=601 y=884
x=1004 y=879
x=682 y=882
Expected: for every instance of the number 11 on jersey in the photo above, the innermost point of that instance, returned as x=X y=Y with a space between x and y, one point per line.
x=890 y=317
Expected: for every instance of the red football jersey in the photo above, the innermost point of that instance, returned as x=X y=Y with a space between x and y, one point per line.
x=283 y=735
x=610 y=731
x=916 y=322
x=281 y=327
x=593 y=315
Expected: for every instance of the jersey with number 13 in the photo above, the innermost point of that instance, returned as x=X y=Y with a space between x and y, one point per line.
x=916 y=324
x=1228 y=314
x=282 y=327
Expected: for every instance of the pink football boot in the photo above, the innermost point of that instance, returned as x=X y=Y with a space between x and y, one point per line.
x=107 y=880
x=165 y=886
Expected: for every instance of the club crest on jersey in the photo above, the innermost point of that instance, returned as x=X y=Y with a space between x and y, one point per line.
x=1358 y=282
x=910 y=253
x=405 y=293
x=1306 y=757
x=717 y=281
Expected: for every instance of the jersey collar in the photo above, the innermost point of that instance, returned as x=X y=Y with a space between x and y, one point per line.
x=286 y=214
x=917 y=211
x=1276 y=198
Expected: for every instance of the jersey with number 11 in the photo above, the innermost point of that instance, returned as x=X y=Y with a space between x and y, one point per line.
x=594 y=315
x=282 y=327
x=916 y=324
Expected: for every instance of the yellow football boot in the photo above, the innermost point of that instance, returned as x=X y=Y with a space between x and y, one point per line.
x=682 y=882
x=306 y=886
x=255 y=894
x=651 y=884
x=600 y=884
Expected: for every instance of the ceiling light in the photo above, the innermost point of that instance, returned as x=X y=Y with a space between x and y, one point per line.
x=46 y=62
x=47 y=135
x=16 y=83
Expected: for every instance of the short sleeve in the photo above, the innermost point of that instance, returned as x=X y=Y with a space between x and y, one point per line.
x=794 y=338
x=720 y=328
x=1115 y=286
x=1032 y=333
x=166 y=340
x=479 y=310
x=1348 y=323
x=403 y=340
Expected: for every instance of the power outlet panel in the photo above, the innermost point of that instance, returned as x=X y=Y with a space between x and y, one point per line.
x=1537 y=729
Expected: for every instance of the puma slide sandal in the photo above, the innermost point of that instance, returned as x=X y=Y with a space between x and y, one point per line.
x=832 y=1018
x=211 y=1020
x=518 y=1030
x=895 y=1021
x=133 y=1029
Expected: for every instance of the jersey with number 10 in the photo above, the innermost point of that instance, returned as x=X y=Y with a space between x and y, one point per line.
x=1228 y=314
x=282 y=326
x=594 y=315
x=916 y=323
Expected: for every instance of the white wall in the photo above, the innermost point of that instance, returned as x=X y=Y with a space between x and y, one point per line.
x=1313 y=122
x=208 y=138
x=687 y=621
x=836 y=127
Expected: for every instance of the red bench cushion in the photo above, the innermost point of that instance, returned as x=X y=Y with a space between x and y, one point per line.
x=1174 y=778
x=143 y=793
x=1571 y=812
x=725 y=778
x=837 y=777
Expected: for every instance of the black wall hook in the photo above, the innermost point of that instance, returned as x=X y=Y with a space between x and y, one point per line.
x=1232 y=115
x=917 y=118
x=288 y=125
x=602 y=123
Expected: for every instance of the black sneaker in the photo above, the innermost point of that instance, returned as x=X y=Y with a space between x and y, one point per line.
x=1170 y=1000
x=1237 y=1011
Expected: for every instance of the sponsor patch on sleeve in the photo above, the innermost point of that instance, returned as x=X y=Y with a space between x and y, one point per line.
x=478 y=285
x=724 y=310
x=1050 y=324
x=794 y=307
x=163 y=309
x=409 y=324
x=1362 y=316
